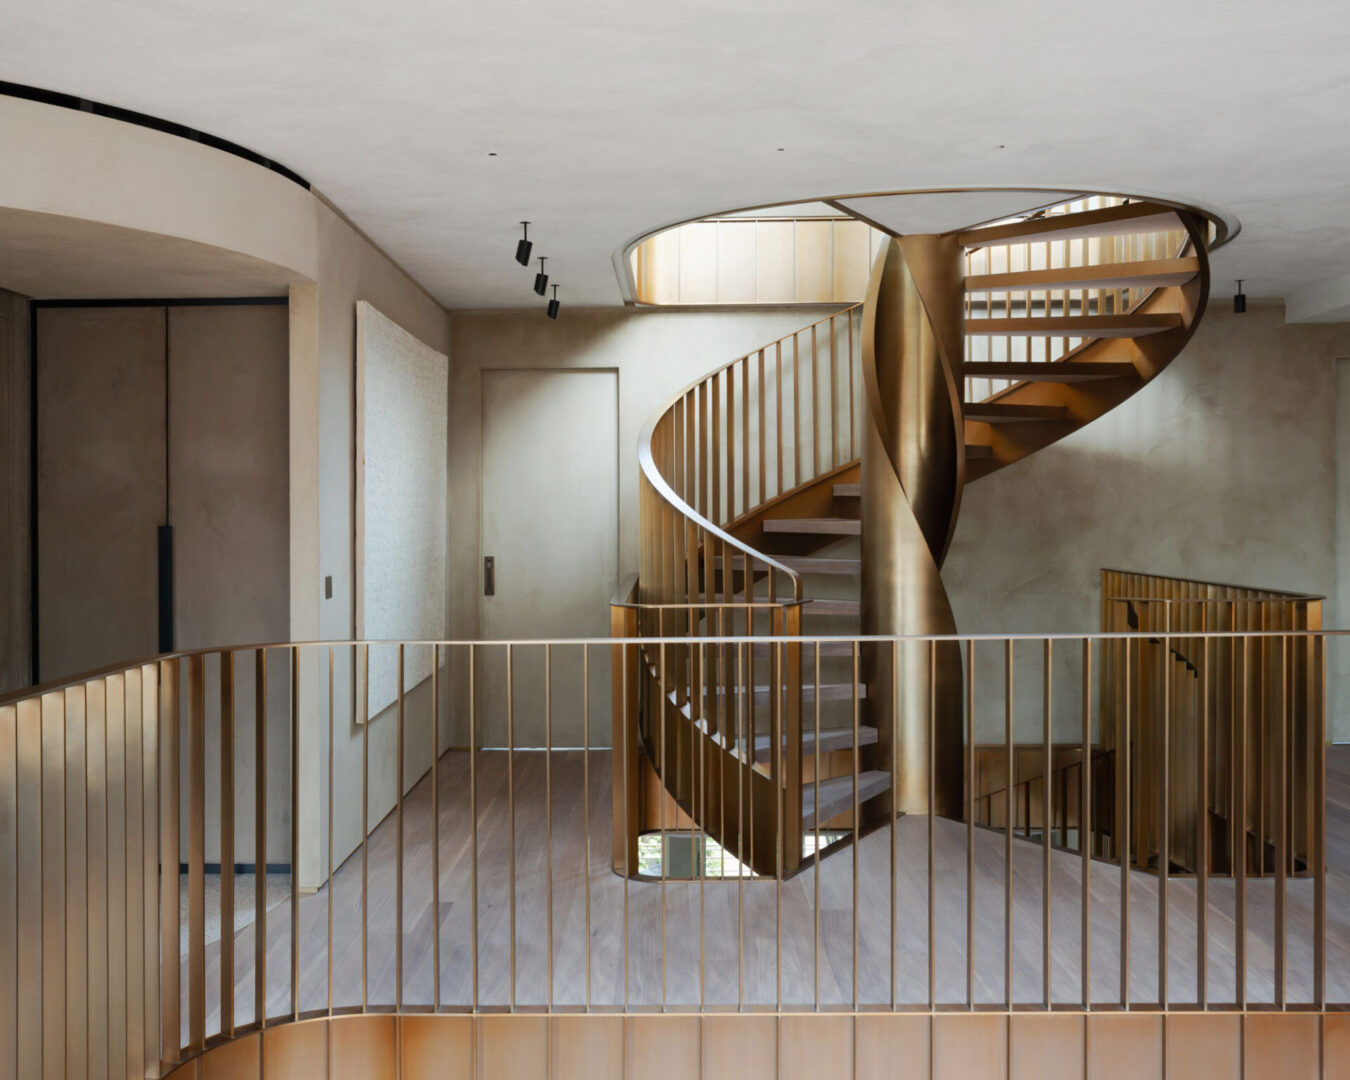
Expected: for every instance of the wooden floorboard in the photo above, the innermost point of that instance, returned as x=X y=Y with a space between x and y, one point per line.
x=703 y=923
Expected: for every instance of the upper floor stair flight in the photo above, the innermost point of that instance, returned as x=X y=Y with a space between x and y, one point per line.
x=763 y=513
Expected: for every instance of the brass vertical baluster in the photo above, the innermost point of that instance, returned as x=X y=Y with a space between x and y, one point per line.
x=895 y=832
x=1202 y=826
x=714 y=511
x=586 y=800
x=1164 y=782
x=1008 y=825
x=329 y=877
x=856 y=817
x=1123 y=827
x=815 y=912
x=435 y=828
x=227 y=843
x=796 y=412
x=295 y=832
x=1282 y=825
x=745 y=429
x=398 y=842
x=1240 y=851
x=511 y=813
x=729 y=375
x=852 y=393
x=548 y=820
x=970 y=822
x=763 y=459
x=260 y=838
x=665 y=780
x=696 y=748
x=1046 y=764
x=776 y=753
x=815 y=405
x=1085 y=824
x=365 y=825
x=746 y=760
x=834 y=398
x=932 y=815
x=473 y=826
x=1319 y=840
x=196 y=666
x=778 y=397
x=170 y=974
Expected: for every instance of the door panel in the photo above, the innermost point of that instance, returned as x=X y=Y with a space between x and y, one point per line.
x=550 y=485
x=100 y=474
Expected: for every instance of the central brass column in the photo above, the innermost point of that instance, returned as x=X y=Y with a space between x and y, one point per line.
x=913 y=465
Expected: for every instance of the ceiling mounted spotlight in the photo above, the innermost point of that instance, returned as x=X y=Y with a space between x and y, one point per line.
x=523 y=247
x=1239 y=300
x=541 y=278
x=553 y=304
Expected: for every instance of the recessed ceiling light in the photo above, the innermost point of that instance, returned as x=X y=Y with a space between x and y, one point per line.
x=492 y=153
x=781 y=149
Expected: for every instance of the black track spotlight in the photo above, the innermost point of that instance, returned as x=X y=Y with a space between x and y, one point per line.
x=524 y=247
x=553 y=304
x=541 y=279
x=1239 y=300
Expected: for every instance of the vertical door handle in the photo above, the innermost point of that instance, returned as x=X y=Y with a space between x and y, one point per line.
x=489 y=576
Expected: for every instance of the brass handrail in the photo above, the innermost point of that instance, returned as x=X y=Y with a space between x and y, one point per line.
x=92 y=771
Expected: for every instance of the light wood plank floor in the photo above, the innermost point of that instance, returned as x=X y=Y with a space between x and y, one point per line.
x=720 y=940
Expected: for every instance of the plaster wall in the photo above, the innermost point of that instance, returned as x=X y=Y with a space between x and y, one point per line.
x=1224 y=468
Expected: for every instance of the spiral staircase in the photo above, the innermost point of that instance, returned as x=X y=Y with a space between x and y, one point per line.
x=811 y=488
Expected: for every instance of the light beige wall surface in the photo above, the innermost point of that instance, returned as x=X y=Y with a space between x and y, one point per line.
x=323 y=364
x=656 y=354
x=228 y=503
x=1223 y=469
x=14 y=601
x=100 y=476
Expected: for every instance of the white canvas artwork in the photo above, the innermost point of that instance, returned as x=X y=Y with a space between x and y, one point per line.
x=402 y=395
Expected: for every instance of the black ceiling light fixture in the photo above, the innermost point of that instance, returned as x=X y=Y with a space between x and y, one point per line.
x=553 y=304
x=524 y=247
x=541 y=278
x=1240 y=300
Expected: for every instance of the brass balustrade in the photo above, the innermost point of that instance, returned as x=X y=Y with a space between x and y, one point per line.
x=1078 y=252
x=733 y=441
x=101 y=775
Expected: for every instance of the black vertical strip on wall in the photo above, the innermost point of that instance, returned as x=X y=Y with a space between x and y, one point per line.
x=165 y=588
x=165 y=533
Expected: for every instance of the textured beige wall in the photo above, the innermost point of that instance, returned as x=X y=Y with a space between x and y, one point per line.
x=228 y=504
x=323 y=364
x=100 y=475
x=1223 y=469
x=14 y=601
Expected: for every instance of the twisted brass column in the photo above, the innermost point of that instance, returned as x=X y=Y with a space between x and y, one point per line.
x=913 y=464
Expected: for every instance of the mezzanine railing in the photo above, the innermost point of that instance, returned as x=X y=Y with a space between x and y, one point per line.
x=483 y=881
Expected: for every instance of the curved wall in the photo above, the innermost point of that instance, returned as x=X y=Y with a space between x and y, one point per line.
x=82 y=166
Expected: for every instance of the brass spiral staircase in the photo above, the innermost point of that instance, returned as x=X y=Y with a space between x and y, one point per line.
x=812 y=487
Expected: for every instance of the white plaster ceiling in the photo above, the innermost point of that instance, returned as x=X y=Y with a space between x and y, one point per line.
x=610 y=118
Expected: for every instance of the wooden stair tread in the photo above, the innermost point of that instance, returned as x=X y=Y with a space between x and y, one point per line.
x=804 y=564
x=994 y=412
x=1131 y=218
x=1127 y=324
x=848 y=491
x=836 y=794
x=814 y=526
x=1153 y=273
x=831 y=740
x=1059 y=371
